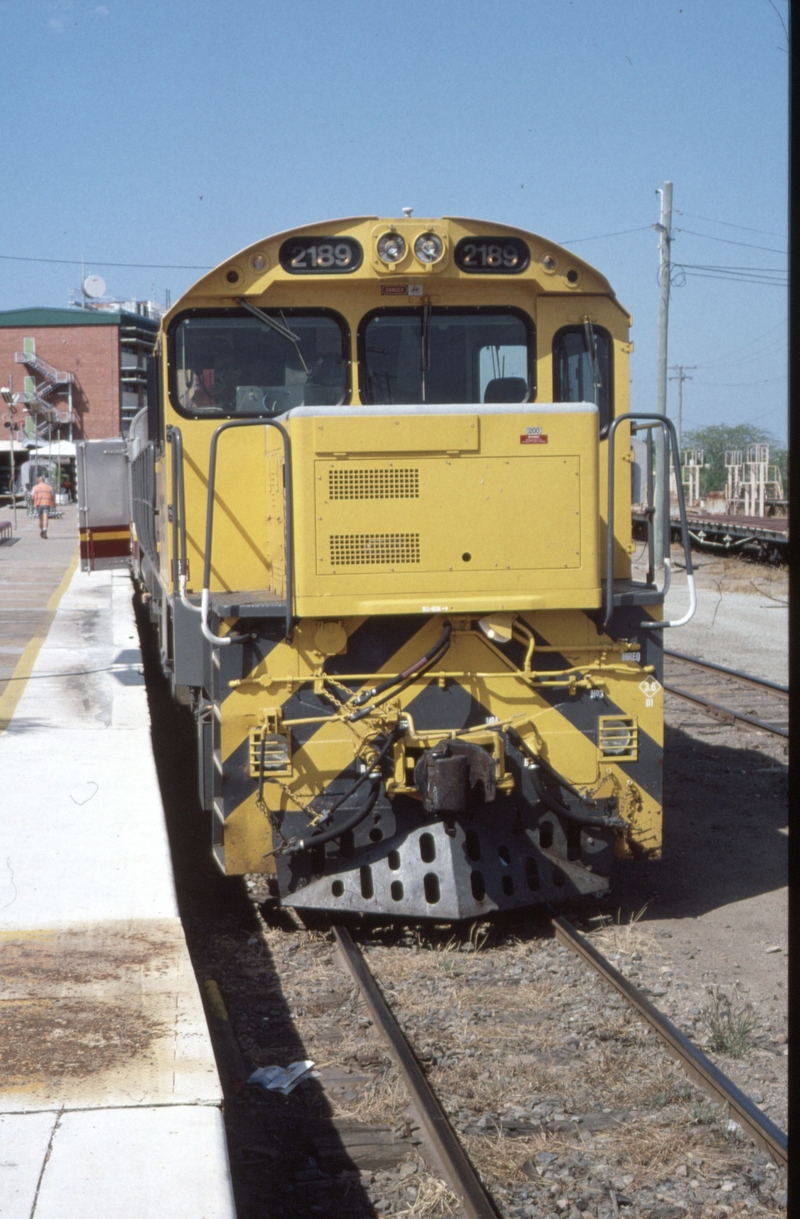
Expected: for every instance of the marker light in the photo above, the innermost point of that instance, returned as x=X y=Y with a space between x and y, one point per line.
x=391 y=247
x=428 y=247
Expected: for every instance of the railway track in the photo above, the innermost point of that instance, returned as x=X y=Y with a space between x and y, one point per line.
x=448 y=1151
x=728 y=695
x=461 y=1175
x=509 y=1077
x=693 y=1061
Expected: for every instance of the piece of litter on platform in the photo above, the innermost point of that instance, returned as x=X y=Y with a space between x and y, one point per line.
x=735 y=1129
x=773 y=948
x=284 y=1079
x=83 y=793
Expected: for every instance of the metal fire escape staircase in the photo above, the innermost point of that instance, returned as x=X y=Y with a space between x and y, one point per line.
x=37 y=395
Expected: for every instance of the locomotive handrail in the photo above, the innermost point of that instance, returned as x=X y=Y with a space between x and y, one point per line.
x=288 y=531
x=642 y=422
x=178 y=508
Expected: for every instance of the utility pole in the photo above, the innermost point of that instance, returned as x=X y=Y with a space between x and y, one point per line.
x=680 y=369
x=661 y=522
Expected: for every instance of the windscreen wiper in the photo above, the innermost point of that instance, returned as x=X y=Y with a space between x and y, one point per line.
x=280 y=327
x=425 y=344
x=591 y=347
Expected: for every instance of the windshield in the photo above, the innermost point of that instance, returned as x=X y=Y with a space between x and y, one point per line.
x=446 y=355
x=241 y=365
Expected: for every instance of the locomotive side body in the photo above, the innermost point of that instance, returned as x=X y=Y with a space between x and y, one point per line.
x=372 y=524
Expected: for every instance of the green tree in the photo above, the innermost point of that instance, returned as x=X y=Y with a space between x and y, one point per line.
x=716 y=439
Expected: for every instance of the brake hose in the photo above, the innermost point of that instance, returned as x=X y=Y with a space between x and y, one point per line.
x=327 y=835
x=565 y=783
x=336 y=831
x=417 y=670
x=594 y=821
x=431 y=655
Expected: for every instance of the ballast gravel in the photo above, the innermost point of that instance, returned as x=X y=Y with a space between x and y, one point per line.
x=566 y=1102
x=564 y=1099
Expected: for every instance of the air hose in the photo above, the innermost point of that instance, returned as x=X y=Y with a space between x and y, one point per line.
x=405 y=678
x=590 y=820
x=565 y=783
x=336 y=831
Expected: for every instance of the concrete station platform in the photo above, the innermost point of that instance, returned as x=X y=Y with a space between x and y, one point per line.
x=110 y=1102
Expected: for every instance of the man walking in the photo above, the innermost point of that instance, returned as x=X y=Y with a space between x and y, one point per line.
x=43 y=501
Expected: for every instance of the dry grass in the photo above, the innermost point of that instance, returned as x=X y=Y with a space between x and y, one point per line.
x=625 y=938
x=728 y=573
x=384 y=1101
x=434 y=1199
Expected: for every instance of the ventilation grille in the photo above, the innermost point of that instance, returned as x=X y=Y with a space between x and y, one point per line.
x=373 y=484
x=371 y=549
x=618 y=738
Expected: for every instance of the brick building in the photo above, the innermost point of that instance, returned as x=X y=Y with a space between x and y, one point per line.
x=77 y=374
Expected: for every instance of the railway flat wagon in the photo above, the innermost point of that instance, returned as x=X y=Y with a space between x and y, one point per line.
x=381 y=513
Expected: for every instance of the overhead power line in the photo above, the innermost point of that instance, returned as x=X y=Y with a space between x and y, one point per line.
x=735 y=384
x=77 y=262
x=602 y=236
x=729 y=241
x=727 y=224
x=741 y=275
x=735 y=352
x=718 y=266
x=731 y=279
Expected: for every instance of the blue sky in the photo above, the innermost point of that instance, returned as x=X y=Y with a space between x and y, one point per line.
x=177 y=131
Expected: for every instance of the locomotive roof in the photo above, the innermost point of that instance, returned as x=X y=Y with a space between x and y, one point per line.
x=251 y=284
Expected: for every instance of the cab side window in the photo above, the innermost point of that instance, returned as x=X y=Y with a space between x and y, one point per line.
x=582 y=368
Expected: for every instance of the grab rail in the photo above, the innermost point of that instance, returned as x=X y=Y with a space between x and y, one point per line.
x=288 y=532
x=178 y=517
x=644 y=422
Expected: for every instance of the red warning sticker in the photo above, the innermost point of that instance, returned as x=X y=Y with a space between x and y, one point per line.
x=533 y=436
x=401 y=289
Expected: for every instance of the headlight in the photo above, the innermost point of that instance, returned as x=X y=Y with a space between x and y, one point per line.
x=428 y=247
x=620 y=742
x=391 y=247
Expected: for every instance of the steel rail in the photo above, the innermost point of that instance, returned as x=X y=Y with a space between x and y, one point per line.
x=458 y=1169
x=760 y=683
x=726 y=714
x=694 y=1062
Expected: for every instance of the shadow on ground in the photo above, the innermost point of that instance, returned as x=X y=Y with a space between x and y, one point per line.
x=724 y=809
x=287 y=1157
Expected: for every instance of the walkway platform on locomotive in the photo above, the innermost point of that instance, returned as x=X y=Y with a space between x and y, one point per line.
x=110 y=1102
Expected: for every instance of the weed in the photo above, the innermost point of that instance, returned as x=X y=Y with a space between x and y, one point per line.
x=704 y=1113
x=479 y=933
x=730 y=1020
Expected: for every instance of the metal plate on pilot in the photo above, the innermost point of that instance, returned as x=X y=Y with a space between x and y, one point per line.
x=452 y=871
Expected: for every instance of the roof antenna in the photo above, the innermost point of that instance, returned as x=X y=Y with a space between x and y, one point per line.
x=407 y=212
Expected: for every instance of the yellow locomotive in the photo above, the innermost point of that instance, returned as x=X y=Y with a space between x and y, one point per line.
x=382 y=511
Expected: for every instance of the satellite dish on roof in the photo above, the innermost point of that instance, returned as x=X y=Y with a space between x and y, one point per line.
x=94 y=286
